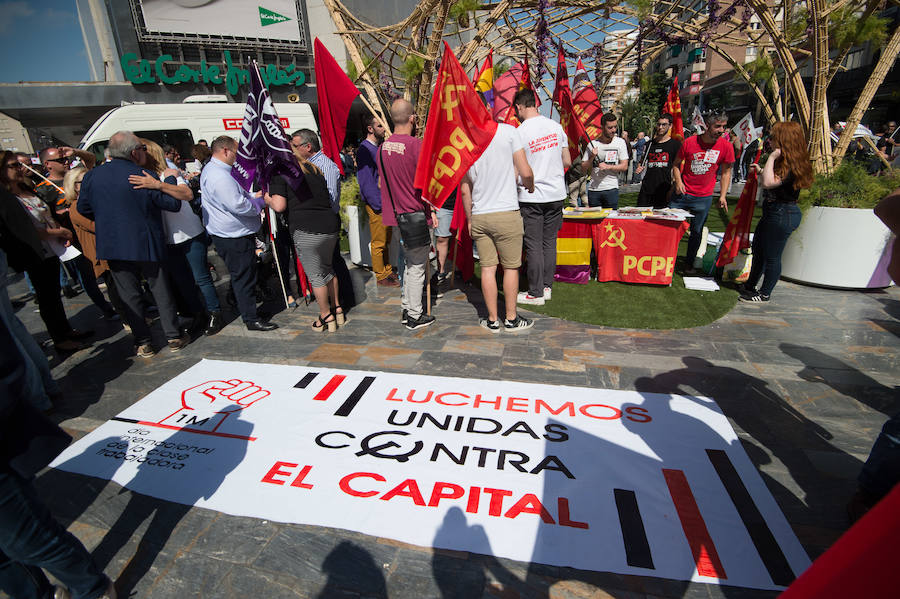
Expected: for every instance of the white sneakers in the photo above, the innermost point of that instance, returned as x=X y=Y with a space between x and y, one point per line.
x=526 y=298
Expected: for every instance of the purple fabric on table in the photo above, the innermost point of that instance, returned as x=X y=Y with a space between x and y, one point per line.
x=580 y=274
x=264 y=150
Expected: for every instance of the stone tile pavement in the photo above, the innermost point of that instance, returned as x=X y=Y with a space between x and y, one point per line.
x=806 y=380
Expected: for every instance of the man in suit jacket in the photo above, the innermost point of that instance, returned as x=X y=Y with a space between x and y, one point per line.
x=130 y=237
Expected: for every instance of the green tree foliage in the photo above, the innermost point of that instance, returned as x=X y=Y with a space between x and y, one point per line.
x=367 y=61
x=460 y=10
x=639 y=114
x=412 y=68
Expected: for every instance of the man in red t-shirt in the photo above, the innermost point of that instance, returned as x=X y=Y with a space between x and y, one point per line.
x=694 y=172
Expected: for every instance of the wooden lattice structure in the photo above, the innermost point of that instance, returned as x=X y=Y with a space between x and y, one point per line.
x=400 y=59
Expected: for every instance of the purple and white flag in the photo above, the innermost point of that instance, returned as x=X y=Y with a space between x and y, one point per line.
x=264 y=150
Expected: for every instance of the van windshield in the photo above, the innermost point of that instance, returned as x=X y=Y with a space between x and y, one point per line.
x=180 y=139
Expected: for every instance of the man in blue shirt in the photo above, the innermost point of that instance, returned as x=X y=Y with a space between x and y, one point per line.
x=367 y=175
x=231 y=217
x=130 y=237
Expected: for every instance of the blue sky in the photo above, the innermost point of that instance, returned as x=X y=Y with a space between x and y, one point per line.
x=43 y=41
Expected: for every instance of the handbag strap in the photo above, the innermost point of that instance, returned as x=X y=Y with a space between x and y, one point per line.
x=386 y=184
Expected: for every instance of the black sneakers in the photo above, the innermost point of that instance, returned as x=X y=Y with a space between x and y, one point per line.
x=419 y=323
x=756 y=297
x=491 y=325
x=517 y=324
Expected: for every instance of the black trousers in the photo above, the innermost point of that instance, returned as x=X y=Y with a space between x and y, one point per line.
x=45 y=279
x=542 y=223
x=239 y=255
x=127 y=276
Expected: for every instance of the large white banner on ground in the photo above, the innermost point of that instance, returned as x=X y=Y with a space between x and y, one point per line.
x=618 y=481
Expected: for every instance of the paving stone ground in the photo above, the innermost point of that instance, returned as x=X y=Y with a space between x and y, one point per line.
x=806 y=380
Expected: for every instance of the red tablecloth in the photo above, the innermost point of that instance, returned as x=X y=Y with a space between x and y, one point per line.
x=631 y=250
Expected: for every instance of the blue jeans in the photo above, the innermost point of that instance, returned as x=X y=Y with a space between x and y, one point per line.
x=882 y=468
x=39 y=382
x=195 y=251
x=88 y=281
x=607 y=199
x=699 y=207
x=778 y=221
x=31 y=539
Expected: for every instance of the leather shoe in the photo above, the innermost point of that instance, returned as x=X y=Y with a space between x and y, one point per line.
x=259 y=325
x=214 y=325
x=79 y=335
x=389 y=281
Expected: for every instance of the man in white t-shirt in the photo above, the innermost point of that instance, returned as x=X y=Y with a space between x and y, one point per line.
x=608 y=155
x=547 y=151
x=490 y=197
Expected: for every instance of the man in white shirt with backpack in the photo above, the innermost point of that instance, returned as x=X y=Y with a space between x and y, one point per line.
x=547 y=150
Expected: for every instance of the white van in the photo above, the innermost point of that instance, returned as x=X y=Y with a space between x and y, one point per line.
x=183 y=125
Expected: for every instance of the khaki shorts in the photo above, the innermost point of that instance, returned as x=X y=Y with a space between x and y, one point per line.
x=498 y=233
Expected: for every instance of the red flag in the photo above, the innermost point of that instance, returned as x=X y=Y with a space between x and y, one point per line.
x=562 y=95
x=335 y=93
x=505 y=88
x=673 y=107
x=459 y=129
x=586 y=103
x=462 y=255
x=562 y=77
x=737 y=233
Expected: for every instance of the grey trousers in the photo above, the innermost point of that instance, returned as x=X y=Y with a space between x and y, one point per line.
x=542 y=223
x=414 y=280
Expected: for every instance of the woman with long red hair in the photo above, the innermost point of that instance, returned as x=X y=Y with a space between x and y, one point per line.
x=787 y=171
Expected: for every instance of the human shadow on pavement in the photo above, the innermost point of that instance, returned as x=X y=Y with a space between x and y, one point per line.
x=352 y=572
x=801 y=446
x=198 y=478
x=460 y=576
x=843 y=378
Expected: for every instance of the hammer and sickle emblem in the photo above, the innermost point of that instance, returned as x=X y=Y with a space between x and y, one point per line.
x=615 y=238
x=368 y=449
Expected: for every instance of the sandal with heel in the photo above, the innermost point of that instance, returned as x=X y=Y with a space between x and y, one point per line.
x=321 y=324
x=338 y=313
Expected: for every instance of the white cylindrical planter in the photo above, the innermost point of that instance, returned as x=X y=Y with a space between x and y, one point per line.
x=847 y=248
x=358 y=236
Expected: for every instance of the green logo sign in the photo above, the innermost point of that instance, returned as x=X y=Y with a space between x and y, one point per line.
x=268 y=17
x=144 y=71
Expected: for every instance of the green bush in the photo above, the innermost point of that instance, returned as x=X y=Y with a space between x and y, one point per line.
x=350 y=197
x=850 y=186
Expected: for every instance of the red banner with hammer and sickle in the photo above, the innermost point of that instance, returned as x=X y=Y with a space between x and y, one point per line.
x=637 y=251
x=458 y=130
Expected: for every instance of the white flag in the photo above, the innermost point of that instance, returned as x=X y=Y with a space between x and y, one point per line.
x=745 y=131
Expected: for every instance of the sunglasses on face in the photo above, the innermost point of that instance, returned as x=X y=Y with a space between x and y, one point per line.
x=60 y=160
x=15 y=165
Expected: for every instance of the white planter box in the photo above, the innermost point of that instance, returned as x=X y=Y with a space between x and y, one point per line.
x=360 y=239
x=358 y=235
x=838 y=247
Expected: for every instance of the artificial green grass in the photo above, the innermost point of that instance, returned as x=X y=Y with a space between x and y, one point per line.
x=635 y=306
x=632 y=306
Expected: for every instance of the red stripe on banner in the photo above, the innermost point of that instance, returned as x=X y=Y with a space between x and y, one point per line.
x=329 y=388
x=190 y=430
x=702 y=547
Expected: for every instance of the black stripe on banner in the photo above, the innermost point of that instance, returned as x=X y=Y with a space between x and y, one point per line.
x=760 y=533
x=354 y=398
x=637 y=549
x=129 y=420
x=306 y=380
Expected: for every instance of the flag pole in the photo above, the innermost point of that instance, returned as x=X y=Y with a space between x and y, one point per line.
x=58 y=188
x=272 y=225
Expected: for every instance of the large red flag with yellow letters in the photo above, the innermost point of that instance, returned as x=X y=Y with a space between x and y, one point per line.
x=586 y=103
x=673 y=107
x=562 y=95
x=458 y=130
